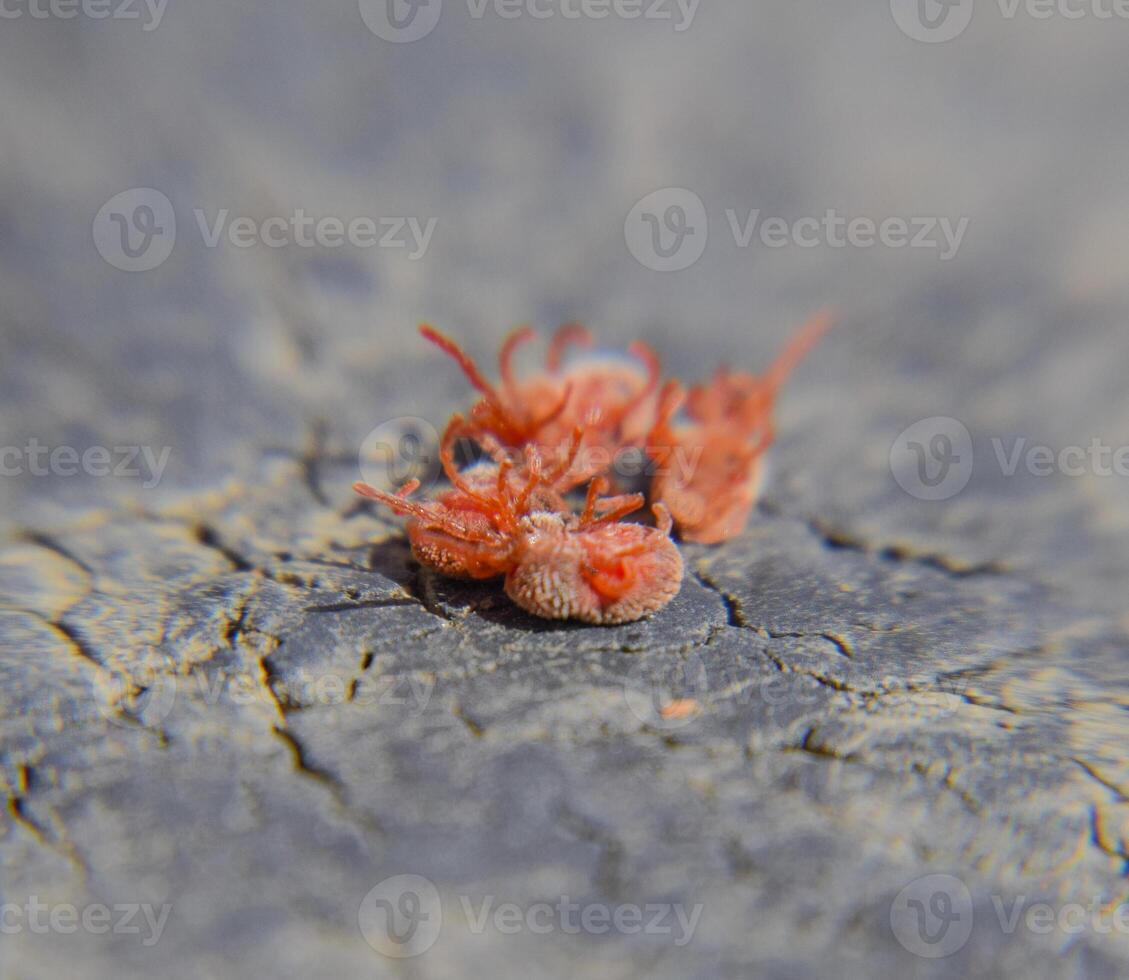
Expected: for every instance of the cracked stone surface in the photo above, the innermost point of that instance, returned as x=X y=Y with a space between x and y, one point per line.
x=230 y=691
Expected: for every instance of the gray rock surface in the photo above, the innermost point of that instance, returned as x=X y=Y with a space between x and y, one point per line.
x=228 y=691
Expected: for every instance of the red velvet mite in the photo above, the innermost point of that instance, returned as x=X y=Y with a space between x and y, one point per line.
x=561 y=427
x=557 y=564
x=709 y=472
x=613 y=399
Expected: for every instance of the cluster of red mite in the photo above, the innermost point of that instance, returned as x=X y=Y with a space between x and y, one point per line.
x=568 y=425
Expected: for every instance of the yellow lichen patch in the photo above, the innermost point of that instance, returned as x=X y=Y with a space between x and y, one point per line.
x=36 y=578
x=271 y=514
x=1099 y=732
x=1040 y=690
x=326 y=526
x=189 y=506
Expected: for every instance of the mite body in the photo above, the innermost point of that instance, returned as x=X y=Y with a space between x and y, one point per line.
x=557 y=564
x=612 y=398
x=599 y=571
x=730 y=425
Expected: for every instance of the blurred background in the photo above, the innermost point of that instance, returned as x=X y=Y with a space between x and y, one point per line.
x=220 y=224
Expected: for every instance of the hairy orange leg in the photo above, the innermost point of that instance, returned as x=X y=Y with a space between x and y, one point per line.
x=505 y=357
x=503 y=419
x=562 y=469
x=428 y=516
x=567 y=335
x=661 y=439
x=447 y=459
x=531 y=483
x=462 y=358
x=798 y=347
x=619 y=506
x=645 y=353
x=555 y=412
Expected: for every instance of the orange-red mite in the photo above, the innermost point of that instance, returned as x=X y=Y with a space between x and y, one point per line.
x=557 y=564
x=613 y=400
x=509 y=516
x=709 y=472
